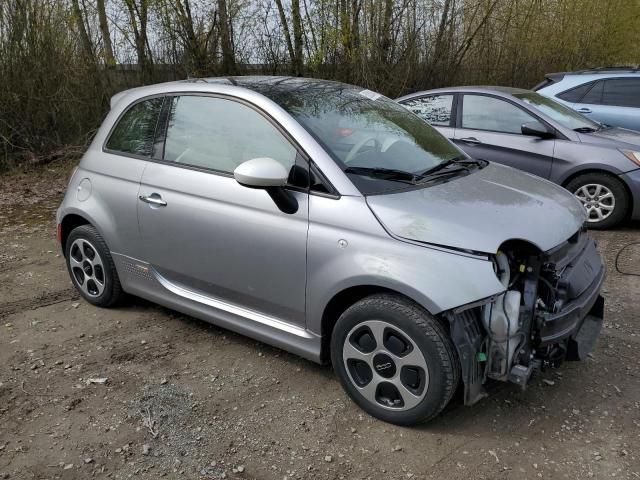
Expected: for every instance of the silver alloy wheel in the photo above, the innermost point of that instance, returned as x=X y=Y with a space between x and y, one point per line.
x=598 y=201
x=87 y=267
x=385 y=365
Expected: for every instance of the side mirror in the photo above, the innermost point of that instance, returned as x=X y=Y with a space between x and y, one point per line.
x=270 y=175
x=261 y=172
x=536 y=129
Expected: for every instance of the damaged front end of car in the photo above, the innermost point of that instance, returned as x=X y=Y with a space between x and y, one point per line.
x=550 y=311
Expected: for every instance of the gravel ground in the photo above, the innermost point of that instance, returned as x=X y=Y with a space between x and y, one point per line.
x=184 y=399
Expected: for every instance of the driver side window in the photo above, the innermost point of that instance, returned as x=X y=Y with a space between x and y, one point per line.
x=481 y=112
x=219 y=134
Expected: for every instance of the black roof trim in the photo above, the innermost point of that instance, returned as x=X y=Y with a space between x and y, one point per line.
x=611 y=69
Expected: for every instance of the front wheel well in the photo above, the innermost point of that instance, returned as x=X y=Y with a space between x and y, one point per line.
x=69 y=222
x=596 y=171
x=338 y=304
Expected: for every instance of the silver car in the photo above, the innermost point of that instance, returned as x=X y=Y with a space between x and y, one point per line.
x=525 y=130
x=331 y=222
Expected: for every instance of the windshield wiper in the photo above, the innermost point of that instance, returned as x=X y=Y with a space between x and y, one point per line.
x=439 y=170
x=383 y=173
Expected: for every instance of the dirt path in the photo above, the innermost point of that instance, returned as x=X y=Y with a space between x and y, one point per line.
x=184 y=399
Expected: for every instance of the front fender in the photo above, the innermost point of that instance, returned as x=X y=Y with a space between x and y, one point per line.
x=436 y=278
x=571 y=158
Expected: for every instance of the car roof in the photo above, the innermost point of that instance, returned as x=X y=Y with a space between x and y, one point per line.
x=559 y=82
x=257 y=83
x=501 y=91
x=600 y=71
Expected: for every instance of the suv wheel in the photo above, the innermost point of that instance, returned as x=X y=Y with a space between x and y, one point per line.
x=394 y=360
x=603 y=196
x=91 y=267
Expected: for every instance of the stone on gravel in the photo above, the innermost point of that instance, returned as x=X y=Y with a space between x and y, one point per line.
x=97 y=381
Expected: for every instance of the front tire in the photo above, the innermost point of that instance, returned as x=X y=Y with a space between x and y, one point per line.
x=604 y=197
x=394 y=360
x=91 y=267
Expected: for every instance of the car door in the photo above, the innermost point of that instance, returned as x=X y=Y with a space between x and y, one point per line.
x=206 y=233
x=621 y=102
x=436 y=109
x=489 y=128
x=614 y=101
x=588 y=102
x=115 y=174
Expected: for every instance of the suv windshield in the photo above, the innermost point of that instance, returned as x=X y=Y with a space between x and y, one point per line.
x=565 y=116
x=377 y=142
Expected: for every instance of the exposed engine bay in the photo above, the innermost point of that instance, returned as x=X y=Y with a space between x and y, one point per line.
x=550 y=311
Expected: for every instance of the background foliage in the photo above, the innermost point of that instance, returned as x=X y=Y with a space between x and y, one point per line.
x=61 y=60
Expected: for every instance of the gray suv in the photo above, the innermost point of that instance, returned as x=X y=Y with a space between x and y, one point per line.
x=329 y=221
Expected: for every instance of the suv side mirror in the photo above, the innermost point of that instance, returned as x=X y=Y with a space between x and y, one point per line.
x=261 y=172
x=536 y=129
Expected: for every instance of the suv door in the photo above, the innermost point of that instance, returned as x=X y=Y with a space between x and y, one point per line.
x=614 y=101
x=435 y=109
x=489 y=128
x=206 y=234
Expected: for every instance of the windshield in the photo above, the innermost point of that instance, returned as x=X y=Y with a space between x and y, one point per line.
x=377 y=142
x=565 y=116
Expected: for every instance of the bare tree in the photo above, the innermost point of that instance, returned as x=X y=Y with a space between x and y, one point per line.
x=104 y=30
x=226 y=41
x=139 y=17
x=85 y=41
x=392 y=46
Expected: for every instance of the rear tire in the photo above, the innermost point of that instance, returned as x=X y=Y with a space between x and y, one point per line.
x=394 y=359
x=603 y=195
x=91 y=267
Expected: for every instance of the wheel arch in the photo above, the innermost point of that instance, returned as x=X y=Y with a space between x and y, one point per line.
x=600 y=171
x=583 y=171
x=68 y=223
x=343 y=300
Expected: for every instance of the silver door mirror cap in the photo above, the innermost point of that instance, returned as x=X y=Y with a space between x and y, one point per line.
x=261 y=172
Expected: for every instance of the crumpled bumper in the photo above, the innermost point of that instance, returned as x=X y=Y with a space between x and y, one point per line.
x=580 y=319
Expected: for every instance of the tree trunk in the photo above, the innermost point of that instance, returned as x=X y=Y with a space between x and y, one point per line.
x=385 y=35
x=87 y=47
x=287 y=33
x=106 y=36
x=139 y=16
x=297 y=38
x=226 y=43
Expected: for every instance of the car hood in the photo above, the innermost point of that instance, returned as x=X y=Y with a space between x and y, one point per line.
x=482 y=210
x=615 y=137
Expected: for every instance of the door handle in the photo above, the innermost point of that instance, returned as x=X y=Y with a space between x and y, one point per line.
x=471 y=140
x=584 y=110
x=153 y=199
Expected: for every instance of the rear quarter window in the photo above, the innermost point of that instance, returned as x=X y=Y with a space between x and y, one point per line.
x=574 y=95
x=135 y=130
